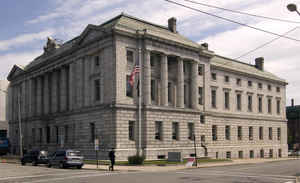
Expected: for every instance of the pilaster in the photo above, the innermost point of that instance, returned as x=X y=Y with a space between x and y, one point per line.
x=164 y=80
x=147 y=78
x=180 y=83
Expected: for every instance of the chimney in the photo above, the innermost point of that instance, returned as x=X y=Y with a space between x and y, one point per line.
x=292 y=102
x=172 y=24
x=259 y=63
x=205 y=45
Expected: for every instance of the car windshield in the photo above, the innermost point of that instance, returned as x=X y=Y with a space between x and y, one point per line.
x=74 y=153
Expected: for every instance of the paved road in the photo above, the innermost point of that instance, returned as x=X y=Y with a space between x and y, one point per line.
x=279 y=172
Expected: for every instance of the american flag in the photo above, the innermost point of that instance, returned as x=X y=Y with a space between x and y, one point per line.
x=135 y=70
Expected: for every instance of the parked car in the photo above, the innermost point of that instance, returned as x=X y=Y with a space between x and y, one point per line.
x=290 y=153
x=66 y=158
x=35 y=157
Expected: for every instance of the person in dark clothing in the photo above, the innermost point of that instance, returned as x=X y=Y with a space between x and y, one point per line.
x=112 y=158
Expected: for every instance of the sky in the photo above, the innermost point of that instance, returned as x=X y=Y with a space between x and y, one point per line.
x=25 y=26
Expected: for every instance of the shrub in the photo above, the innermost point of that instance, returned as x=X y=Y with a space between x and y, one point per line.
x=136 y=160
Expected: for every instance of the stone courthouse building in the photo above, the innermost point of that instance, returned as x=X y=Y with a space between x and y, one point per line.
x=78 y=91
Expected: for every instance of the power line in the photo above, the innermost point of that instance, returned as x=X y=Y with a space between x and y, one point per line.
x=233 y=21
x=243 y=13
x=265 y=44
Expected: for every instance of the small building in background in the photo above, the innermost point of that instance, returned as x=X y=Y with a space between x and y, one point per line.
x=293 y=117
x=3 y=102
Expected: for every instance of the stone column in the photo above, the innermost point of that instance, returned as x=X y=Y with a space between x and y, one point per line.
x=23 y=99
x=71 y=86
x=63 y=89
x=54 y=92
x=39 y=96
x=79 y=83
x=194 y=85
x=86 y=82
x=180 y=83
x=31 y=97
x=164 y=80
x=147 y=78
x=46 y=93
x=10 y=99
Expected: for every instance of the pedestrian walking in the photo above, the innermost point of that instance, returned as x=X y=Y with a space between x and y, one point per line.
x=112 y=158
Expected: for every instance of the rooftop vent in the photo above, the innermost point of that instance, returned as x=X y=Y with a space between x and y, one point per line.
x=259 y=63
x=172 y=24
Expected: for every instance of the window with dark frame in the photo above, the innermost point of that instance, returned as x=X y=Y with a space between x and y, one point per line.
x=278 y=133
x=213 y=76
x=97 y=89
x=270 y=133
x=213 y=98
x=238 y=81
x=249 y=83
x=200 y=70
x=269 y=105
x=226 y=96
x=277 y=89
x=202 y=138
x=227 y=132
x=250 y=133
x=269 y=87
x=158 y=130
x=262 y=153
x=175 y=131
x=239 y=101
x=202 y=119
x=131 y=127
x=228 y=155
x=214 y=133
x=92 y=132
x=240 y=133
x=261 y=133
x=226 y=79
x=259 y=85
x=169 y=92
x=129 y=55
x=251 y=154
x=260 y=104
x=278 y=106
x=271 y=153
x=153 y=90
x=250 y=103
x=129 y=91
x=97 y=61
x=152 y=60
x=191 y=131
x=200 y=93
x=241 y=156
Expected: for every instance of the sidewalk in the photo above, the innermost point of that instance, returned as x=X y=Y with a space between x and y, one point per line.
x=155 y=168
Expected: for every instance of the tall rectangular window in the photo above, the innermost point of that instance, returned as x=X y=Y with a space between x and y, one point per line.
x=97 y=89
x=261 y=133
x=200 y=93
x=226 y=96
x=226 y=79
x=213 y=99
x=41 y=135
x=48 y=134
x=240 y=133
x=129 y=55
x=238 y=102
x=129 y=92
x=238 y=81
x=202 y=138
x=131 y=130
x=250 y=103
x=277 y=89
x=202 y=119
x=227 y=132
x=270 y=133
x=278 y=133
x=200 y=70
x=97 y=61
x=185 y=94
x=33 y=135
x=269 y=105
x=249 y=83
x=153 y=89
x=158 y=130
x=175 y=131
x=278 y=106
x=169 y=92
x=191 y=131
x=66 y=133
x=213 y=76
x=259 y=104
x=92 y=132
x=214 y=133
x=250 y=133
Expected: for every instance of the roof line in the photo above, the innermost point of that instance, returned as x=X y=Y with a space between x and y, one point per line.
x=234 y=60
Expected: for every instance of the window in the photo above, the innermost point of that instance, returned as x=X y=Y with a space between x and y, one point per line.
x=41 y=135
x=92 y=132
x=184 y=67
x=200 y=70
x=213 y=98
x=129 y=55
x=191 y=131
x=202 y=138
x=251 y=154
x=33 y=135
x=48 y=134
x=249 y=83
x=129 y=92
x=250 y=133
x=185 y=94
x=227 y=132
x=97 y=61
x=261 y=133
x=152 y=89
x=259 y=104
x=158 y=130
x=278 y=106
x=277 y=89
x=57 y=134
x=202 y=119
x=152 y=60
x=269 y=105
x=240 y=133
x=262 y=153
x=214 y=132
x=213 y=76
x=97 y=89
x=238 y=81
x=226 y=79
x=228 y=154
x=270 y=133
x=250 y=103
x=271 y=153
x=269 y=87
x=170 y=92
x=238 y=102
x=279 y=153
x=217 y=155
x=278 y=133
x=226 y=100
x=259 y=85
x=200 y=93
x=175 y=131
x=131 y=125
x=66 y=133
x=241 y=156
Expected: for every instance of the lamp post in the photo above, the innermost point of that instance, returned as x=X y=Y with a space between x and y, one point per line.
x=292 y=8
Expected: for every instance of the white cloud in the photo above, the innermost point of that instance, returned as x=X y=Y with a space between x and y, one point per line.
x=24 y=39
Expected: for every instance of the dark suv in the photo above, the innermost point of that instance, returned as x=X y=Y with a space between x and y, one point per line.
x=35 y=157
x=66 y=158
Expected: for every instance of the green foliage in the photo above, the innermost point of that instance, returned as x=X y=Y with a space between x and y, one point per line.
x=136 y=160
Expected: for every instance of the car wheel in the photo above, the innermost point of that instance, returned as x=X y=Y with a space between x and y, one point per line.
x=79 y=166
x=61 y=165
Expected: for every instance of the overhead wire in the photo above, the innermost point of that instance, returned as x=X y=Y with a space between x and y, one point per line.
x=232 y=21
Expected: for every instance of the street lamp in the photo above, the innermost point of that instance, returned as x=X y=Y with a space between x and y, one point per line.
x=292 y=8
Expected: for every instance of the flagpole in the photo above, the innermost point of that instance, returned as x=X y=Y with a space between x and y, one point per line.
x=140 y=98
